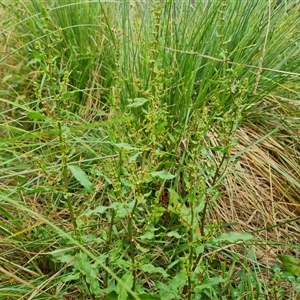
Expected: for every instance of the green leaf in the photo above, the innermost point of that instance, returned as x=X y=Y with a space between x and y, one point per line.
x=111 y=296
x=127 y=278
x=163 y=175
x=148 y=297
x=126 y=182
x=98 y=210
x=140 y=248
x=174 y=233
x=84 y=265
x=297 y=288
x=81 y=177
x=134 y=157
x=232 y=237
x=291 y=264
x=179 y=280
x=148 y=235
x=35 y=116
x=90 y=272
x=104 y=177
x=137 y=102
x=173 y=197
x=210 y=283
x=125 y=146
x=161 y=127
x=158 y=211
x=21 y=179
x=121 y=263
x=67 y=95
x=167 y=292
x=69 y=277
x=120 y=209
x=149 y=268
x=64 y=258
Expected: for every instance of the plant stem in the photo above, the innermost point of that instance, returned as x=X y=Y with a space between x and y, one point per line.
x=62 y=137
x=107 y=247
x=131 y=241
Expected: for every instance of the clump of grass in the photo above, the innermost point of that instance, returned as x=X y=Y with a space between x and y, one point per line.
x=128 y=143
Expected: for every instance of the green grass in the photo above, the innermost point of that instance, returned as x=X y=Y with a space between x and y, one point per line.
x=150 y=150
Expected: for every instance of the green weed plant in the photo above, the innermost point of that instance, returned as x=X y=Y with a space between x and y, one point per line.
x=116 y=139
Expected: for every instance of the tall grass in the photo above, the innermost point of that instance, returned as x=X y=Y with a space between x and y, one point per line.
x=120 y=134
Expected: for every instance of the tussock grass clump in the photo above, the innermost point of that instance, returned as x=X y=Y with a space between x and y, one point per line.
x=150 y=150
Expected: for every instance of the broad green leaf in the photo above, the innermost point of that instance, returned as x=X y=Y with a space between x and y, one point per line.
x=158 y=211
x=167 y=292
x=179 y=280
x=163 y=175
x=291 y=264
x=137 y=102
x=33 y=61
x=120 y=209
x=127 y=278
x=111 y=296
x=174 y=233
x=37 y=54
x=161 y=127
x=140 y=248
x=67 y=95
x=210 y=283
x=64 y=258
x=149 y=268
x=121 y=263
x=173 y=197
x=126 y=182
x=83 y=264
x=70 y=277
x=81 y=177
x=104 y=177
x=297 y=288
x=233 y=237
x=98 y=210
x=134 y=157
x=88 y=238
x=148 y=235
x=35 y=116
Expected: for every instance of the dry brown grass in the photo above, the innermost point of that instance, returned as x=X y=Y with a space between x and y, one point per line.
x=262 y=200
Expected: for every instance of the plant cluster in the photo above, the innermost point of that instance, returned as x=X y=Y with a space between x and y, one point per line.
x=119 y=128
